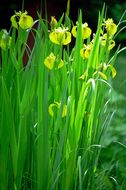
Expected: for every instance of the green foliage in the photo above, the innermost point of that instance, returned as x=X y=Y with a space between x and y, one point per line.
x=53 y=113
x=112 y=157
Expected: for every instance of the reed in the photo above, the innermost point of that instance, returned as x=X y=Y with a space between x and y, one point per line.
x=53 y=111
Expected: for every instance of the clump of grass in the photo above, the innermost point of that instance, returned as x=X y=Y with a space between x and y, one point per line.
x=53 y=109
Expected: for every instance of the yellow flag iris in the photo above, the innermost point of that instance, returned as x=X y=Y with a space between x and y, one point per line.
x=25 y=21
x=111 y=43
x=49 y=61
x=103 y=69
x=111 y=68
x=86 y=31
x=56 y=105
x=21 y=19
x=110 y=26
x=52 y=60
x=60 y=36
x=85 y=51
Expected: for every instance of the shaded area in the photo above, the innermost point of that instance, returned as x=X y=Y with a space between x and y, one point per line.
x=90 y=9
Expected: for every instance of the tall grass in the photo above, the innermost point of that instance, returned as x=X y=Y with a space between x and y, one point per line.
x=52 y=120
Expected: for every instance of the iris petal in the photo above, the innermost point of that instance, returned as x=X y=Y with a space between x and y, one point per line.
x=25 y=21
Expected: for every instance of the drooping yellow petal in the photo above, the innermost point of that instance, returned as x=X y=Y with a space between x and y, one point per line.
x=67 y=38
x=86 y=31
x=105 y=38
x=112 y=45
x=102 y=75
x=60 y=36
x=85 y=52
x=103 y=43
x=57 y=105
x=25 y=21
x=82 y=77
x=113 y=70
x=51 y=109
x=82 y=53
x=111 y=27
x=53 y=37
x=64 y=111
x=49 y=61
x=61 y=64
x=14 y=22
x=57 y=36
x=74 y=31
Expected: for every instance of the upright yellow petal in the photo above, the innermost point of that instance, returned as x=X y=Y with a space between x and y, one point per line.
x=53 y=22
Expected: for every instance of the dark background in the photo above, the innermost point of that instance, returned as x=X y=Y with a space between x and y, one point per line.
x=90 y=8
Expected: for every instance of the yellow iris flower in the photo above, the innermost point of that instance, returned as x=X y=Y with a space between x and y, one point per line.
x=86 y=31
x=49 y=61
x=21 y=19
x=111 y=43
x=103 y=68
x=111 y=68
x=25 y=21
x=103 y=75
x=110 y=26
x=56 y=105
x=85 y=51
x=60 y=36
